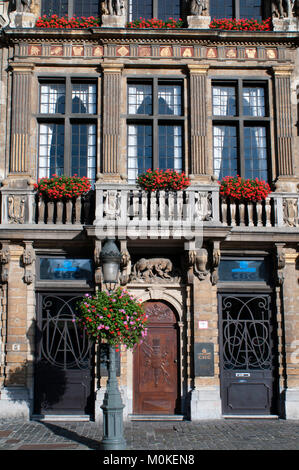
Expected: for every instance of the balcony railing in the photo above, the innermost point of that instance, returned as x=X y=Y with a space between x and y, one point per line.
x=126 y=205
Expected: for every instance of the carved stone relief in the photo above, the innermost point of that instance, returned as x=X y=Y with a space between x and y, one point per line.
x=198 y=7
x=155 y=270
x=280 y=262
x=28 y=259
x=290 y=212
x=113 y=7
x=16 y=209
x=4 y=261
x=285 y=8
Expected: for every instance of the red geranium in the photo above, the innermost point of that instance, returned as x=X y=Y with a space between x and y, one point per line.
x=153 y=180
x=242 y=24
x=62 y=187
x=243 y=189
x=155 y=23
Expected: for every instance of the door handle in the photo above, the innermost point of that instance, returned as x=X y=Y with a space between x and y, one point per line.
x=175 y=361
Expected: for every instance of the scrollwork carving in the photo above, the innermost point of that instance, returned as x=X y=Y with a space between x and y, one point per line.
x=16 y=209
x=199 y=260
x=28 y=258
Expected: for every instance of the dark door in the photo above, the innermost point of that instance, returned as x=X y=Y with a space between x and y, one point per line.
x=156 y=363
x=248 y=355
x=63 y=378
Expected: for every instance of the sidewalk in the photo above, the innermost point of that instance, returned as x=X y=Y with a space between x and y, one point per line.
x=226 y=434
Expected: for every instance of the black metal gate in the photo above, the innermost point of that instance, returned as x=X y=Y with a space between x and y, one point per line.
x=63 y=367
x=248 y=354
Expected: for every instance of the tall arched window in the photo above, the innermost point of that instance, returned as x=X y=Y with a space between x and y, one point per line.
x=162 y=9
x=70 y=7
x=236 y=9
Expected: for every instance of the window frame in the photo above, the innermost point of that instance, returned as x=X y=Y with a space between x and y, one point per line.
x=68 y=118
x=241 y=121
x=155 y=119
x=70 y=8
x=236 y=9
x=154 y=9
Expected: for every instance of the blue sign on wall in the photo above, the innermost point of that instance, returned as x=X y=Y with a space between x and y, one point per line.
x=55 y=269
x=248 y=270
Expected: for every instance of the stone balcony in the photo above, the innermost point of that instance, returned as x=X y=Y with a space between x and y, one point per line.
x=131 y=211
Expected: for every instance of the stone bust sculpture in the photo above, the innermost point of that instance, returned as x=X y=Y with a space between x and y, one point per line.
x=20 y=5
x=197 y=7
x=113 y=7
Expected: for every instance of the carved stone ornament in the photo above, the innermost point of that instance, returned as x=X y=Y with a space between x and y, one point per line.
x=285 y=8
x=197 y=7
x=280 y=263
x=199 y=260
x=113 y=7
x=16 y=209
x=4 y=260
x=28 y=259
x=215 y=263
x=97 y=261
x=125 y=267
x=154 y=270
x=20 y=5
x=290 y=212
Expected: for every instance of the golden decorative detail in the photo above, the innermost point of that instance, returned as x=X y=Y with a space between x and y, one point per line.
x=211 y=52
x=97 y=51
x=187 y=52
x=250 y=53
x=78 y=51
x=35 y=50
x=165 y=51
x=56 y=50
x=231 y=53
x=122 y=51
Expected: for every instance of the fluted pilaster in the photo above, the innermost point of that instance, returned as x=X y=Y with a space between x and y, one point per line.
x=111 y=125
x=20 y=122
x=198 y=116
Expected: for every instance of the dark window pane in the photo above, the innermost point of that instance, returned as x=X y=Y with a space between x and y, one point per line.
x=139 y=150
x=86 y=8
x=168 y=9
x=170 y=147
x=57 y=269
x=170 y=99
x=251 y=9
x=84 y=98
x=84 y=153
x=52 y=98
x=255 y=152
x=243 y=270
x=225 y=150
x=54 y=7
x=51 y=150
x=143 y=9
x=224 y=101
x=221 y=9
x=139 y=99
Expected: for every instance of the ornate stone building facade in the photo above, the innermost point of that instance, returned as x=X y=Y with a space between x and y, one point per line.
x=220 y=280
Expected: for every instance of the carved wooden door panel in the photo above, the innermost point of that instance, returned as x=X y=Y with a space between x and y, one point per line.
x=156 y=363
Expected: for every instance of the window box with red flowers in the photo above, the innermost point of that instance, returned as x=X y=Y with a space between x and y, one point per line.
x=62 y=188
x=242 y=24
x=117 y=317
x=243 y=190
x=165 y=180
x=70 y=23
x=142 y=23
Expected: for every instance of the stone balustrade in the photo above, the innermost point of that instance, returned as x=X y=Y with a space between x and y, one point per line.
x=124 y=205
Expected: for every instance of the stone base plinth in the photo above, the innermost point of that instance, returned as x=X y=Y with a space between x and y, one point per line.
x=292 y=403
x=198 y=22
x=14 y=403
x=114 y=21
x=205 y=403
x=287 y=184
x=21 y=20
x=285 y=24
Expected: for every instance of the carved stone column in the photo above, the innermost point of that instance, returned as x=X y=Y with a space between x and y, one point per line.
x=20 y=122
x=111 y=125
x=198 y=112
x=285 y=162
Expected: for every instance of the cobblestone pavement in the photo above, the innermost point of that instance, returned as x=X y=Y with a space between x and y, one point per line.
x=226 y=434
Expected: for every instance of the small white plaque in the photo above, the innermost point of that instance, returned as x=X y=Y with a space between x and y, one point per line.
x=203 y=325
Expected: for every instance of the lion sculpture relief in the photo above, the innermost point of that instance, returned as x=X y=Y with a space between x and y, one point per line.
x=151 y=268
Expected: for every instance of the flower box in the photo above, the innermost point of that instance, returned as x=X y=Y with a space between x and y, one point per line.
x=244 y=190
x=70 y=23
x=117 y=317
x=62 y=187
x=243 y=24
x=155 y=23
x=167 y=180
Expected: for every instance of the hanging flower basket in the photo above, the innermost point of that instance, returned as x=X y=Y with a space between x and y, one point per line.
x=142 y=23
x=118 y=317
x=62 y=187
x=243 y=24
x=244 y=190
x=167 y=180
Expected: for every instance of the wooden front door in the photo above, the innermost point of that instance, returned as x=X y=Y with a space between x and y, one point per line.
x=156 y=363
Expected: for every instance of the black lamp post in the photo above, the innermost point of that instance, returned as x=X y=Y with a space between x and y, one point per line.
x=112 y=404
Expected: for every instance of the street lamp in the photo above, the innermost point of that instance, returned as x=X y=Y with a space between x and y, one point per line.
x=112 y=404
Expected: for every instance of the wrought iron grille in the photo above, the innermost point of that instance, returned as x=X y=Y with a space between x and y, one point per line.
x=246 y=332
x=62 y=343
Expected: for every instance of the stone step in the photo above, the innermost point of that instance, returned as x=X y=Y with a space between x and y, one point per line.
x=157 y=417
x=61 y=418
